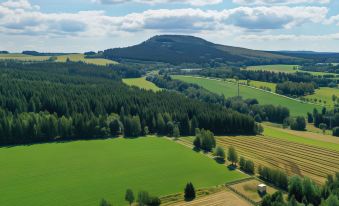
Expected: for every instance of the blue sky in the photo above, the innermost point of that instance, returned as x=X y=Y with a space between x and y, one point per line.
x=83 y=25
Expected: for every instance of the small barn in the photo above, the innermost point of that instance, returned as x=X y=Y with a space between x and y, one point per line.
x=262 y=188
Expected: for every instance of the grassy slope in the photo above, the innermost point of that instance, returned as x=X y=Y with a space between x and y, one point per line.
x=62 y=58
x=274 y=68
x=283 y=68
x=142 y=83
x=83 y=172
x=230 y=90
x=81 y=57
x=325 y=94
x=23 y=57
x=281 y=134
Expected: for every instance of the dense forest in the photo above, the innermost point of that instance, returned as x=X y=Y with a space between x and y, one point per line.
x=249 y=106
x=47 y=101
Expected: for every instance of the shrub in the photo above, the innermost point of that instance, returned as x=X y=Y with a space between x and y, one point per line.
x=336 y=131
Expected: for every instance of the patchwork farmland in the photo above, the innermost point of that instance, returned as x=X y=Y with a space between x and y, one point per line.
x=291 y=157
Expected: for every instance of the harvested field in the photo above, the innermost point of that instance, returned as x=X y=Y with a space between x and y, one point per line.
x=291 y=157
x=223 y=198
x=249 y=189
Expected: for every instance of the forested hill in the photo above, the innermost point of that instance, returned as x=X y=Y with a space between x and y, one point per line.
x=177 y=49
x=48 y=101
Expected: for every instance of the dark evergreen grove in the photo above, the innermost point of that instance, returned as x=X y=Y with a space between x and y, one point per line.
x=47 y=101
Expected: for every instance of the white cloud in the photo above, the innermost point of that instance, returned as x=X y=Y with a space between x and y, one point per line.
x=333 y=20
x=152 y=2
x=289 y=37
x=279 y=2
x=18 y=4
x=260 y=18
x=15 y=19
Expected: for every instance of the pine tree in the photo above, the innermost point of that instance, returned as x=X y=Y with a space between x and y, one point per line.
x=189 y=192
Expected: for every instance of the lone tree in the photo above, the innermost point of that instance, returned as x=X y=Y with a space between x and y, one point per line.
x=129 y=196
x=189 y=192
x=232 y=155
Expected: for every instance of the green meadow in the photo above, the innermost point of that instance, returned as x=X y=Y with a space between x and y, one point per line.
x=275 y=68
x=325 y=95
x=141 y=83
x=294 y=137
x=229 y=89
x=81 y=173
x=23 y=57
x=81 y=57
x=283 y=68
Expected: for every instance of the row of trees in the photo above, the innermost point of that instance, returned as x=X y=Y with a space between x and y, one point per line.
x=274 y=176
x=247 y=165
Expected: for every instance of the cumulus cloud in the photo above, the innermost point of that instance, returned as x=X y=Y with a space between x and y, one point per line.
x=18 y=4
x=279 y=2
x=31 y=21
x=152 y=2
x=259 y=18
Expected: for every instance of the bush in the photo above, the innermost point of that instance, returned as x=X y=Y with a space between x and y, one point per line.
x=336 y=131
x=220 y=153
x=298 y=123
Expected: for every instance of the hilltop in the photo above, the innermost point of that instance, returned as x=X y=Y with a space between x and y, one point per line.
x=179 y=49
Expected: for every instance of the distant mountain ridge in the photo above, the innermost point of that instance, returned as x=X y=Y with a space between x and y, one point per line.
x=179 y=49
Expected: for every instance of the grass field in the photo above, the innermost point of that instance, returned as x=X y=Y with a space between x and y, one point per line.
x=81 y=57
x=283 y=68
x=258 y=84
x=141 y=83
x=62 y=58
x=83 y=172
x=275 y=68
x=250 y=189
x=307 y=138
x=230 y=90
x=324 y=94
x=23 y=57
x=223 y=198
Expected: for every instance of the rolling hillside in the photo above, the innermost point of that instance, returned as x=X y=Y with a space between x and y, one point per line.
x=229 y=89
x=177 y=49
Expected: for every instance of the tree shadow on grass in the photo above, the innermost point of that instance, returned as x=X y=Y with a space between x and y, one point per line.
x=232 y=167
x=219 y=160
